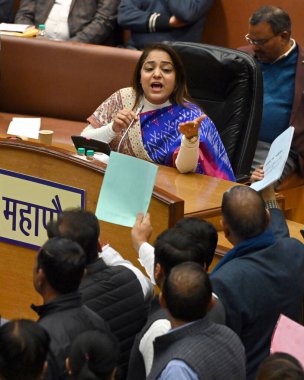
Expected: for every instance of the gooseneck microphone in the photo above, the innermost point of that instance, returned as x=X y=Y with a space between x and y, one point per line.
x=137 y=112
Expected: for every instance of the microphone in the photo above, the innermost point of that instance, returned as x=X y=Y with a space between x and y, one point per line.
x=137 y=112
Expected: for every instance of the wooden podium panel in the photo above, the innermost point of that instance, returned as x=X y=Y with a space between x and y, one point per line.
x=174 y=196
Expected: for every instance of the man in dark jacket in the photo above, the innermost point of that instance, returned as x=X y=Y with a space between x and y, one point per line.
x=263 y=275
x=114 y=292
x=59 y=267
x=163 y=20
x=90 y=21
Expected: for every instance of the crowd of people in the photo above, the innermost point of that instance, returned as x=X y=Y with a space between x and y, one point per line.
x=100 y=317
x=100 y=21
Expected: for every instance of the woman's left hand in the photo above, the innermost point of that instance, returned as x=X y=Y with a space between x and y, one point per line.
x=191 y=128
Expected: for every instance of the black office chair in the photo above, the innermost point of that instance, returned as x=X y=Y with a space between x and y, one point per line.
x=228 y=85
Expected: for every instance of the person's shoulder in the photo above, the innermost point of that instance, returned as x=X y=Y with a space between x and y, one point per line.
x=299 y=45
x=296 y=246
x=300 y=48
x=227 y=336
x=126 y=91
x=100 y=273
x=89 y=318
x=192 y=106
x=230 y=268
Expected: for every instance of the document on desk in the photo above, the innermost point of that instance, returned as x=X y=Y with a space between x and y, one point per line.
x=276 y=159
x=25 y=126
x=126 y=189
x=288 y=337
x=19 y=28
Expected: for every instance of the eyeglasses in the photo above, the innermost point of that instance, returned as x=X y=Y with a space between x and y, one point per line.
x=258 y=42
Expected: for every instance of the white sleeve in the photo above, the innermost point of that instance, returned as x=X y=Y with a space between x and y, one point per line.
x=105 y=133
x=187 y=157
x=158 y=328
x=146 y=259
x=113 y=258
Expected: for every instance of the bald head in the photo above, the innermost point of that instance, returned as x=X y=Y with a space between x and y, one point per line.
x=187 y=292
x=244 y=212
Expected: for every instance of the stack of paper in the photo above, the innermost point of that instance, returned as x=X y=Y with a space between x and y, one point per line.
x=18 y=30
x=25 y=126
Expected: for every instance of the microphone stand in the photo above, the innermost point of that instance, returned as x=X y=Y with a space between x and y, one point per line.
x=138 y=111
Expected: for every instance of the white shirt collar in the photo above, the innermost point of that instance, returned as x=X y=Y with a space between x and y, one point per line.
x=292 y=47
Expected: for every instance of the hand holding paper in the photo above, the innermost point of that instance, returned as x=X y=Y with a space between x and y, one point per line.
x=276 y=159
x=126 y=189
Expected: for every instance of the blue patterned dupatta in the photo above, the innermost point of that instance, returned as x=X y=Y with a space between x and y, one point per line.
x=162 y=139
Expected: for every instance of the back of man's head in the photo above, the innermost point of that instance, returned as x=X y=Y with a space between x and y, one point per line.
x=23 y=350
x=276 y=17
x=79 y=225
x=204 y=231
x=243 y=210
x=175 y=246
x=63 y=263
x=187 y=292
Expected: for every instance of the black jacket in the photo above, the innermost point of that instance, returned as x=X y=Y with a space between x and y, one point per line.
x=64 y=319
x=115 y=294
x=89 y=21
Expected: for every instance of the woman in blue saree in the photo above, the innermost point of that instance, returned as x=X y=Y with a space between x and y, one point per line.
x=155 y=119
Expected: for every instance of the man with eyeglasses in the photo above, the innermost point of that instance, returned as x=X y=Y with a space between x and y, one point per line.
x=281 y=60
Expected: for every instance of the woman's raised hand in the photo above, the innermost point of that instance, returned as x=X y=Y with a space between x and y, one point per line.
x=123 y=119
x=191 y=128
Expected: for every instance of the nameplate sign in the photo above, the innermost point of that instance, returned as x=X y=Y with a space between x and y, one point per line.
x=28 y=203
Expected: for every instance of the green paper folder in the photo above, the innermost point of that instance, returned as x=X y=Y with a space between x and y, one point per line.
x=126 y=189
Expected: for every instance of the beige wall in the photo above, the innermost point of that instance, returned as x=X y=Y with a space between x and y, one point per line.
x=227 y=22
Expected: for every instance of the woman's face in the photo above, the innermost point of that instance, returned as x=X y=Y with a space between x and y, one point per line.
x=157 y=77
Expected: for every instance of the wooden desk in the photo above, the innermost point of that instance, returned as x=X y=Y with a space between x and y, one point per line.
x=174 y=196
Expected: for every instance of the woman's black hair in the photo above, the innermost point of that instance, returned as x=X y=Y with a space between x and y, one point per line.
x=24 y=345
x=180 y=93
x=93 y=356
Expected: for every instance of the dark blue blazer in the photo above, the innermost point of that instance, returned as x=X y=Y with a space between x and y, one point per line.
x=259 y=286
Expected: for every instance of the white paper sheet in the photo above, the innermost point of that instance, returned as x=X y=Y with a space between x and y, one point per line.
x=276 y=159
x=19 y=28
x=25 y=126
